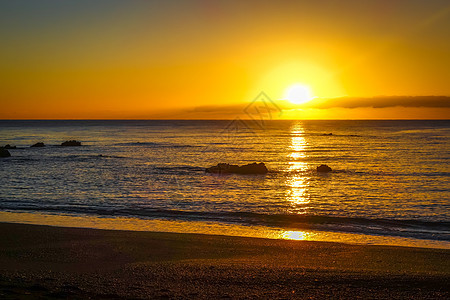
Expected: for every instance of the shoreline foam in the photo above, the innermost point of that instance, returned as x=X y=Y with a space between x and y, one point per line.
x=160 y=225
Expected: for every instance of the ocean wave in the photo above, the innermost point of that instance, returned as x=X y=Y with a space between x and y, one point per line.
x=178 y=170
x=327 y=134
x=156 y=145
x=411 y=228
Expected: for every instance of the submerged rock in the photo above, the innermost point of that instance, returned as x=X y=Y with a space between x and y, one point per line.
x=71 y=143
x=223 y=168
x=4 y=152
x=323 y=169
x=40 y=144
x=8 y=146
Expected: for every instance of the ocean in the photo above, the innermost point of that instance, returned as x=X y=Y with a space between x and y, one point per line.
x=389 y=185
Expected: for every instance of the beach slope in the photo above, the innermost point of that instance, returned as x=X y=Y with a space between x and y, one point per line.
x=56 y=262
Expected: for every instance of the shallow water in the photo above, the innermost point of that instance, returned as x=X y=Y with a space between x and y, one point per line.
x=389 y=179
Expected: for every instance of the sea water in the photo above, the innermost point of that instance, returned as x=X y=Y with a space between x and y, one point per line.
x=390 y=179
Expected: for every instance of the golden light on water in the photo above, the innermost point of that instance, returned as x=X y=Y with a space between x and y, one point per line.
x=298 y=194
x=297 y=147
x=295 y=235
x=210 y=228
x=298 y=183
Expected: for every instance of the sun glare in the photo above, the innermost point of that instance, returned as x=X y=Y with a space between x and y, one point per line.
x=298 y=94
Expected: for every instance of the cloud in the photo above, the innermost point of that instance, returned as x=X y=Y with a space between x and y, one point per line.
x=201 y=112
x=381 y=102
x=354 y=108
x=225 y=109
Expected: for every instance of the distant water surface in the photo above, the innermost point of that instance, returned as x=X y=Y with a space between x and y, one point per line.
x=389 y=179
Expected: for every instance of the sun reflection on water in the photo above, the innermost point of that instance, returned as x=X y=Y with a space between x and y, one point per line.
x=295 y=235
x=298 y=142
x=297 y=195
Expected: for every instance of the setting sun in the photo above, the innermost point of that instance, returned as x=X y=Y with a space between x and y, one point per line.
x=298 y=94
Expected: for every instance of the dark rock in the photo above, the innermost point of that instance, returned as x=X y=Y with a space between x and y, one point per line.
x=4 y=153
x=323 y=169
x=40 y=144
x=9 y=147
x=253 y=168
x=327 y=134
x=223 y=168
x=71 y=143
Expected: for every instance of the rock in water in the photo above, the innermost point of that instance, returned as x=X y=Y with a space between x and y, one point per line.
x=323 y=169
x=4 y=153
x=253 y=168
x=223 y=168
x=71 y=143
x=40 y=144
x=8 y=146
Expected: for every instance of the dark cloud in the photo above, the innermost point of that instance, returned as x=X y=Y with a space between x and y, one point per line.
x=201 y=112
x=382 y=101
x=225 y=109
x=239 y=110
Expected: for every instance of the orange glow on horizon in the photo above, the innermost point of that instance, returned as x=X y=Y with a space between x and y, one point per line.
x=133 y=61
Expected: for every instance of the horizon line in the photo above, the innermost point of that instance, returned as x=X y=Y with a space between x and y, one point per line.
x=244 y=119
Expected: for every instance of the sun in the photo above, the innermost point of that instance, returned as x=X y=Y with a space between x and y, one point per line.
x=298 y=94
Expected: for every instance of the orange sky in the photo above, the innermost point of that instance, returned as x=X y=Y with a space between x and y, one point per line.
x=171 y=59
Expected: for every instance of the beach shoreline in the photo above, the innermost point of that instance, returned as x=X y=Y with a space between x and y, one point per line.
x=62 y=262
x=212 y=228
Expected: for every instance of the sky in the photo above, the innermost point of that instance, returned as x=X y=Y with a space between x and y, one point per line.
x=210 y=59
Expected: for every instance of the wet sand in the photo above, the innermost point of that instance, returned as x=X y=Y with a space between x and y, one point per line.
x=56 y=262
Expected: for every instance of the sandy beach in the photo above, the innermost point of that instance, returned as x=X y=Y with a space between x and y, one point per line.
x=56 y=262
